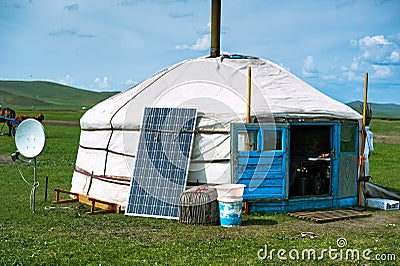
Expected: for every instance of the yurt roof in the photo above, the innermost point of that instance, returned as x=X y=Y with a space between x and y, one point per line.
x=218 y=87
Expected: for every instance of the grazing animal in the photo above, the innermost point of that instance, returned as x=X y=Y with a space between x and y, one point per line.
x=20 y=118
x=7 y=113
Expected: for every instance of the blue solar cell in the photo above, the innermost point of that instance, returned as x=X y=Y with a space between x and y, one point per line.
x=162 y=162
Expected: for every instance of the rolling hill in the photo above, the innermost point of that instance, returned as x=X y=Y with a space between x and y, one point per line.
x=47 y=95
x=379 y=110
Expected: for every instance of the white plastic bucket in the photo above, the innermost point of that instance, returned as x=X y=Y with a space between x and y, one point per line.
x=232 y=191
x=230 y=211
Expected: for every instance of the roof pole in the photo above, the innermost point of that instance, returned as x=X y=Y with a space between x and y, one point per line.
x=248 y=95
x=246 y=205
x=215 y=28
x=363 y=136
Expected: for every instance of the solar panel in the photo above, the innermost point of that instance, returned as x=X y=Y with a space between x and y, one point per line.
x=162 y=162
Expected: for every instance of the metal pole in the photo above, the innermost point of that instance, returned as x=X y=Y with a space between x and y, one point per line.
x=34 y=186
x=215 y=28
x=45 y=188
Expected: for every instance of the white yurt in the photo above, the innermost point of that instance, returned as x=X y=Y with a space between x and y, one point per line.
x=219 y=89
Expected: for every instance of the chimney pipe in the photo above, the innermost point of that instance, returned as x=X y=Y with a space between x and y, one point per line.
x=215 y=28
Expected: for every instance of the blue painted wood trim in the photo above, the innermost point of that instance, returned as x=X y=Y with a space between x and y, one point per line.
x=302 y=204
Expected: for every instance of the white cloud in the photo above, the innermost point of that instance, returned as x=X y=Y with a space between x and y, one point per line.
x=354 y=65
x=102 y=83
x=377 y=50
x=374 y=40
x=378 y=55
x=395 y=57
x=309 y=68
x=352 y=76
x=202 y=44
x=381 y=72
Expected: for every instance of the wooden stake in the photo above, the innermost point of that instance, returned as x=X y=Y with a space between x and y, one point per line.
x=45 y=188
x=245 y=205
x=363 y=136
x=248 y=107
x=248 y=95
x=365 y=100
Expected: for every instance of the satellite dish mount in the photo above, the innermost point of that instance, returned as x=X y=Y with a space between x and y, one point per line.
x=30 y=139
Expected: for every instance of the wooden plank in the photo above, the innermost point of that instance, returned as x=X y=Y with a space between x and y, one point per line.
x=104 y=205
x=59 y=191
x=111 y=207
x=328 y=215
x=94 y=203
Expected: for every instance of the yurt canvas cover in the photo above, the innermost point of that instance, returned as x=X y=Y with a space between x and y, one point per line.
x=217 y=87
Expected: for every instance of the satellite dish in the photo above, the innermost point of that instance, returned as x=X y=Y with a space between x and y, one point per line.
x=30 y=138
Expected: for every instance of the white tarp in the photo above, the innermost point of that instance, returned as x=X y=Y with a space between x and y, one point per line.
x=217 y=87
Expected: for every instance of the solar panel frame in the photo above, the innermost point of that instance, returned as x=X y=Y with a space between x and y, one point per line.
x=162 y=162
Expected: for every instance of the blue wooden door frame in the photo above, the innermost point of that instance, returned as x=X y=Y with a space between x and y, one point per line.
x=334 y=151
x=264 y=170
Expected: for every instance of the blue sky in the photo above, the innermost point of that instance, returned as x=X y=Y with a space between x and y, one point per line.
x=107 y=45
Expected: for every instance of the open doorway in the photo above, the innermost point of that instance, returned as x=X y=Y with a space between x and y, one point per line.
x=310 y=162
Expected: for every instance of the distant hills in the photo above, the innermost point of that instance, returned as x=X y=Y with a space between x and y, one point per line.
x=47 y=95
x=379 y=110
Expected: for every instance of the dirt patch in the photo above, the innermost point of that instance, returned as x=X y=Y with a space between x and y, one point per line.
x=61 y=123
x=387 y=139
x=5 y=159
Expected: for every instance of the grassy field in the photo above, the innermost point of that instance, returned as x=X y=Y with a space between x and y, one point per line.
x=385 y=158
x=32 y=95
x=65 y=235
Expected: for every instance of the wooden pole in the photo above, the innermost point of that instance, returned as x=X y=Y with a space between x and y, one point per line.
x=248 y=107
x=245 y=205
x=365 y=100
x=363 y=136
x=248 y=95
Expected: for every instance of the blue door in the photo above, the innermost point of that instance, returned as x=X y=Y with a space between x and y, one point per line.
x=259 y=160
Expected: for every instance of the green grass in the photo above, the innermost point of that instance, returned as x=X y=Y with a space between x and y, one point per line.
x=384 y=163
x=385 y=128
x=66 y=235
x=385 y=158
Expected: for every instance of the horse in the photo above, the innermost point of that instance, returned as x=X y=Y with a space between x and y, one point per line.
x=39 y=117
x=7 y=113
